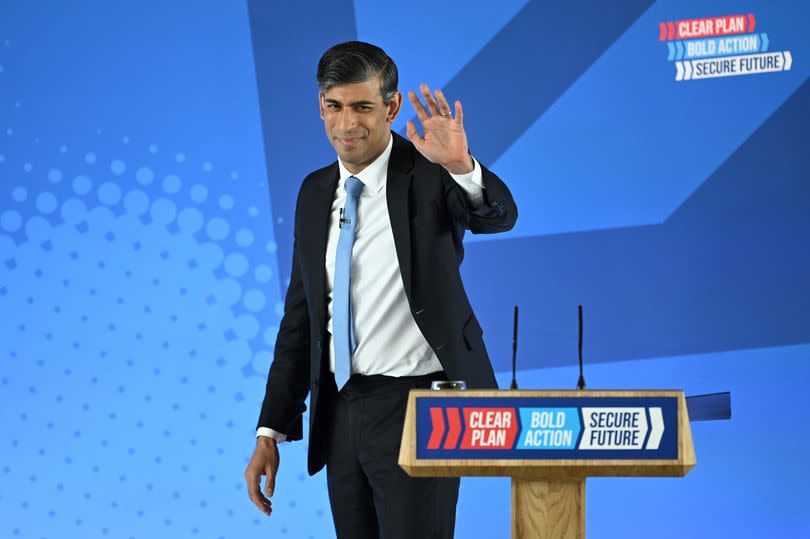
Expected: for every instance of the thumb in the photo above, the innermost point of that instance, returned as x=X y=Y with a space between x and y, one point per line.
x=410 y=130
x=270 y=483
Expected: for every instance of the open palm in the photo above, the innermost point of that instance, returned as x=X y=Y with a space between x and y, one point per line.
x=444 y=141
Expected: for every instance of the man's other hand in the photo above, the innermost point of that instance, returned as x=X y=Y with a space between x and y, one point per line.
x=264 y=461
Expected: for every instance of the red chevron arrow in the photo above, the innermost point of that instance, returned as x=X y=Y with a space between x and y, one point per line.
x=454 y=420
x=437 y=420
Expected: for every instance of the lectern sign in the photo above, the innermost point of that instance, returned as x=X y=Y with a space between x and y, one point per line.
x=549 y=442
x=546 y=428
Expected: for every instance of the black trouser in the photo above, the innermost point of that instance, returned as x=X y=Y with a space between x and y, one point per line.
x=371 y=496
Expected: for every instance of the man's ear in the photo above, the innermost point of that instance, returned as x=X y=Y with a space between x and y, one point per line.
x=320 y=103
x=394 y=107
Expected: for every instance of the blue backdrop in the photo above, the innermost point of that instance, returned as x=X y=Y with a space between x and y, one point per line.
x=149 y=159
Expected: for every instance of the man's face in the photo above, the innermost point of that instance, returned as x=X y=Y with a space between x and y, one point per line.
x=357 y=121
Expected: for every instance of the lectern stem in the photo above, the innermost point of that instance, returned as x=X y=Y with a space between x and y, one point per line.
x=548 y=509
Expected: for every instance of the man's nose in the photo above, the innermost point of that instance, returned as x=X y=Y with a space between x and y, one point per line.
x=347 y=120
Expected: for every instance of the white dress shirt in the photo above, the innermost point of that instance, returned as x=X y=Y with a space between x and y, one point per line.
x=388 y=340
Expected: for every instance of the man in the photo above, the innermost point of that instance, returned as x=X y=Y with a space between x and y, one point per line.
x=375 y=306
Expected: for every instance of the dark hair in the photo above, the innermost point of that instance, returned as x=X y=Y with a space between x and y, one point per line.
x=356 y=61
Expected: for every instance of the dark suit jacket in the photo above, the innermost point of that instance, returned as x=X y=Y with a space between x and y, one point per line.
x=429 y=213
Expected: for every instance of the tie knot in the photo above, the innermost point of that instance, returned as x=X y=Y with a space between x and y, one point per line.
x=354 y=186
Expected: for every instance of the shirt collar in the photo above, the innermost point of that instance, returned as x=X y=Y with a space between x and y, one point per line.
x=374 y=175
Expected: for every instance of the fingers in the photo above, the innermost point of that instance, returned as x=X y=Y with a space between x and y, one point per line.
x=431 y=103
x=255 y=493
x=438 y=107
x=417 y=105
x=459 y=112
x=444 y=108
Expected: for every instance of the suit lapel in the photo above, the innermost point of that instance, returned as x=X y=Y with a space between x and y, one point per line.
x=314 y=245
x=398 y=187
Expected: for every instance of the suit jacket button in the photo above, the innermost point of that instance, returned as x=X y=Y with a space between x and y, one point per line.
x=315 y=384
x=318 y=344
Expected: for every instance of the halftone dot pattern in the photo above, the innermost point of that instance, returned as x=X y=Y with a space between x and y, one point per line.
x=7 y=247
x=190 y=220
x=263 y=273
x=140 y=341
x=109 y=193
x=172 y=184
x=199 y=193
x=144 y=176
x=10 y=220
x=163 y=211
x=254 y=300
x=236 y=264
x=270 y=335
x=217 y=228
x=46 y=202
x=82 y=185
x=136 y=202
x=118 y=167
x=244 y=237
x=247 y=326
x=38 y=229
x=210 y=256
x=226 y=202
x=74 y=211
x=19 y=194
x=262 y=359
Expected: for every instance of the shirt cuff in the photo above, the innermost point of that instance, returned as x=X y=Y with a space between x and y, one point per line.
x=472 y=183
x=270 y=433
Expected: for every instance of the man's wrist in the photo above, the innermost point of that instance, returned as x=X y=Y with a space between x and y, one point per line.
x=274 y=434
x=464 y=167
x=266 y=441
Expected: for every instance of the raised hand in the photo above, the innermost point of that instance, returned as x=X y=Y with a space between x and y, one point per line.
x=444 y=141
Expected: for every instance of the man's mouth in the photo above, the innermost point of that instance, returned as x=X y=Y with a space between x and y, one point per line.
x=348 y=141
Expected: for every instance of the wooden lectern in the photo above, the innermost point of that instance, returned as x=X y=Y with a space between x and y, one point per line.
x=548 y=442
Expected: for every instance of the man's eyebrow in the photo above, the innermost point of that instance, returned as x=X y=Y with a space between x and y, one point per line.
x=353 y=104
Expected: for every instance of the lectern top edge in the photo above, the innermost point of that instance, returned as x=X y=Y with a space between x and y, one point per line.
x=551 y=393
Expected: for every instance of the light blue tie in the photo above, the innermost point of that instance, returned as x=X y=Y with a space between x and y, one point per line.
x=342 y=325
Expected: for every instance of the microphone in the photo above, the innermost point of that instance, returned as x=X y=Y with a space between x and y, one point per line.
x=342 y=220
x=581 y=382
x=514 y=351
